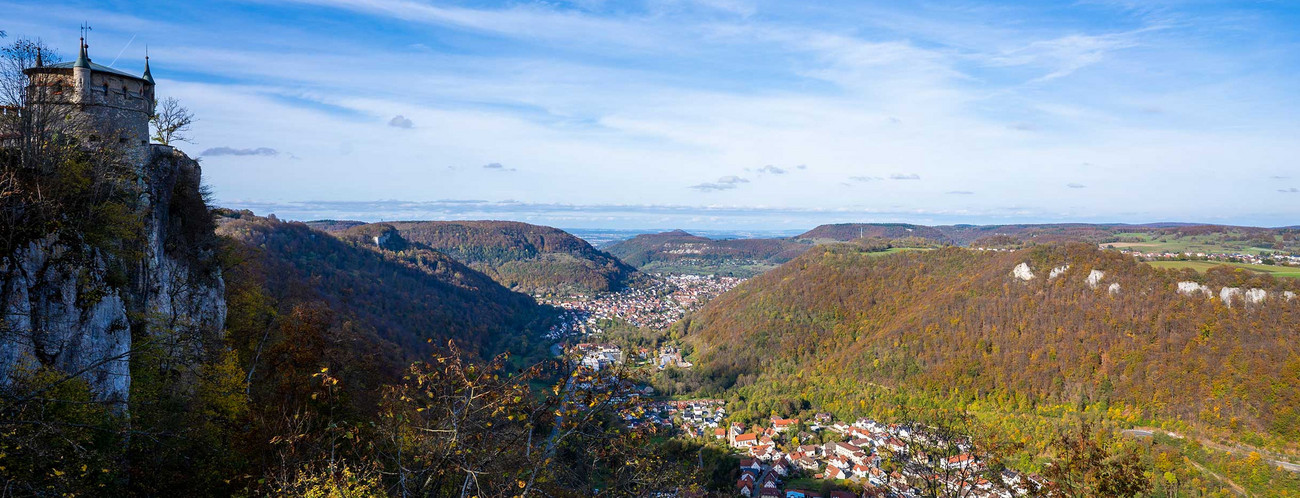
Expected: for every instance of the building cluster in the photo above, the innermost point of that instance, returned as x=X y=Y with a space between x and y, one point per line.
x=670 y=356
x=1254 y=259
x=666 y=299
x=598 y=357
x=881 y=459
x=695 y=418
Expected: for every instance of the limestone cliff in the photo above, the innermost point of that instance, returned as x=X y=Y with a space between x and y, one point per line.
x=81 y=311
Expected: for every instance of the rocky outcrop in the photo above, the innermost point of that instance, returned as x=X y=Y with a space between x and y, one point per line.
x=1193 y=288
x=1094 y=278
x=1022 y=272
x=80 y=311
x=1058 y=271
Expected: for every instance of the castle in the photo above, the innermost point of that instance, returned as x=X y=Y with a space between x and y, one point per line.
x=99 y=102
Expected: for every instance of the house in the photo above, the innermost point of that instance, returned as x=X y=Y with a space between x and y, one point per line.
x=841 y=494
x=745 y=488
x=846 y=450
x=744 y=440
x=833 y=472
x=780 y=425
x=963 y=461
x=801 y=493
x=781 y=467
x=806 y=463
x=1011 y=478
x=770 y=481
x=750 y=463
x=719 y=433
x=770 y=493
x=896 y=445
x=860 y=470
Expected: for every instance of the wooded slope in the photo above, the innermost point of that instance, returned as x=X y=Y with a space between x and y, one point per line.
x=524 y=257
x=956 y=320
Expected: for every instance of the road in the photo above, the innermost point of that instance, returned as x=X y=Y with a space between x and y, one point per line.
x=1148 y=432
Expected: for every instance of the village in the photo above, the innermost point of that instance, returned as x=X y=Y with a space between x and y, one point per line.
x=787 y=457
x=864 y=458
x=655 y=305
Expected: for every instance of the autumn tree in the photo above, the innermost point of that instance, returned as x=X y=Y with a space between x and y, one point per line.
x=1085 y=466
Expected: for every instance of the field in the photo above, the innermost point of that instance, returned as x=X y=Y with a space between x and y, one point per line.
x=1201 y=266
x=1212 y=243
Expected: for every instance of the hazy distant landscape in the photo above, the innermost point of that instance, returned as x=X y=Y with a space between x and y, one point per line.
x=827 y=249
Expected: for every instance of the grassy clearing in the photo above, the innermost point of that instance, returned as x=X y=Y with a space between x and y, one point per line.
x=1213 y=243
x=1202 y=266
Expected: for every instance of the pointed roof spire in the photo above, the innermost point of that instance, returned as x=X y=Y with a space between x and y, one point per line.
x=147 y=75
x=83 y=60
x=39 y=61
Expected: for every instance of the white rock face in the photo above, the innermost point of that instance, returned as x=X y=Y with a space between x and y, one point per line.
x=1228 y=293
x=1022 y=272
x=1056 y=272
x=1094 y=278
x=1193 y=288
x=1256 y=296
x=61 y=312
x=1288 y=295
x=64 y=316
x=1113 y=289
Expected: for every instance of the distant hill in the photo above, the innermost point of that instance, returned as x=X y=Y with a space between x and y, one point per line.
x=849 y=231
x=527 y=258
x=955 y=323
x=678 y=251
x=404 y=294
x=1174 y=237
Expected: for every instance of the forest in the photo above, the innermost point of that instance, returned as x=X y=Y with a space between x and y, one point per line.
x=843 y=330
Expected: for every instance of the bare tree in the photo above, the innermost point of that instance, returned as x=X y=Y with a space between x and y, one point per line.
x=171 y=122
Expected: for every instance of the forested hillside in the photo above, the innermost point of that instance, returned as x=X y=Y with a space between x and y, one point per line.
x=848 y=231
x=956 y=323
x=524 y=257
x=405 y=293
x=681 y=252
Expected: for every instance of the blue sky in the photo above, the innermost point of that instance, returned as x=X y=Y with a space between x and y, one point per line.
x=724 y=113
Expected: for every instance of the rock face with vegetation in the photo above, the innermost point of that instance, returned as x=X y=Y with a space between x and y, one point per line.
x=81 y=301
x=527 y=258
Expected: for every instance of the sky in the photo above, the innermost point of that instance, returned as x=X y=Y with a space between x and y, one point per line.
x=748 y=114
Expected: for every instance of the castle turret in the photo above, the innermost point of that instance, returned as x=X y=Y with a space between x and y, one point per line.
x=81 y=74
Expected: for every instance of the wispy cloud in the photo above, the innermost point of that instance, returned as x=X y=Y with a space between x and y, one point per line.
x=959 y=192
x=231 y=151
x=723 y=183
x=771 y=169
x=497 y=167
x=1076 y=185
x=865 y=179
x=1291 y=190
x=899 y=176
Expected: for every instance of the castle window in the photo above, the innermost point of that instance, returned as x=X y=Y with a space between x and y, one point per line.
x=105 y=89
x=58 y=88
